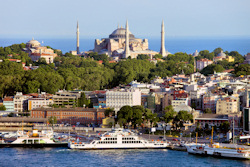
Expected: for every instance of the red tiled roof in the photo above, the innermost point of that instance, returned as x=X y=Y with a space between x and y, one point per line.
x=229 y=70
x=8 y=99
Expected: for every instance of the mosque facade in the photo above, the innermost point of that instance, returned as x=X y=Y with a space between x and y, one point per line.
x=36 y=51
x=121 y=43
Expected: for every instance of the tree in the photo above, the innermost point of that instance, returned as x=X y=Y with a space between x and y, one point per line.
x=182 y=117
x=217 y=51
x=205 y=54
x=158 y=56
x=208 y=111
x=82 y=101
x=224 y=127
x=243 y=69
x=52 y=120
x=124 y=115
x=238 y=58
x=142 y=57
x=169 y=108
x=169 y=116
x=109 y=112
x=210 y=69
x=2 y=108
x=137 y=115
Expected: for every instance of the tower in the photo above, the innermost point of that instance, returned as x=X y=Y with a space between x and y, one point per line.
x=127 y=50
x=77 y=39
x=194 y=65
x=162 y=51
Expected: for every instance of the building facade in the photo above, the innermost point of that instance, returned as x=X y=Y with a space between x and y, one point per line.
x=36 y=51
x=8 y=102
x=71 y=115
x=228 y=105
x=200 y=64
x=118 y=98
x=34 y=103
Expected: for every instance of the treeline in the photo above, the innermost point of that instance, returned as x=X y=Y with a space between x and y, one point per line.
x=73 y=72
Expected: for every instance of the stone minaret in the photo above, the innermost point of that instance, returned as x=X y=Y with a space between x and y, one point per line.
x=194 y=65
x=162 y=51
x=127 y=50
x=247 y=97
x=77 y=39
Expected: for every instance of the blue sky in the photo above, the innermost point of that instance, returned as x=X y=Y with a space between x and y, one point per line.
x=98 y=18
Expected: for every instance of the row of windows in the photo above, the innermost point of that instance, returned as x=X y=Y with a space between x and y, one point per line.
x=128 y=138
x=110 y=139
x=131 y=142
x=107 y=142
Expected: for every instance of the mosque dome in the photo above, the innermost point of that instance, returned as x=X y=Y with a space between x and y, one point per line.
x=33 y=43
x=196 y=53
x=222 y=54
x=120 y=33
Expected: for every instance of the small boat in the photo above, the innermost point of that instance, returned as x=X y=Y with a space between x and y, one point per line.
x=34 y=139
x=119 y=139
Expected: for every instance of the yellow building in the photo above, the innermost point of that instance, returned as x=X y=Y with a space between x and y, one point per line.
x=229 y=59
x=228 y=105
x=108 y=122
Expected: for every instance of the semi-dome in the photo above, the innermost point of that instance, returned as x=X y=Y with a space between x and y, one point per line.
x=222 y=54
x=33 y=43
x=120 y=33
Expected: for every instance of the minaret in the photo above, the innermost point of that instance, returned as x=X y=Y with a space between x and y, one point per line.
x=162 y=51
x=247 y=97
x=194 y=65
x=77 y=39
x=127 y=50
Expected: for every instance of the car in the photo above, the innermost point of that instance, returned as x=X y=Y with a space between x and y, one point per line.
x=175 y=139
x=160 y=137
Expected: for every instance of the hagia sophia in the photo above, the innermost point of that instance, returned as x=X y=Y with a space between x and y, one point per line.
x=123 y=44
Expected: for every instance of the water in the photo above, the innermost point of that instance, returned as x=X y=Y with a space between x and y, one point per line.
x=66 y=157
x=173 y=45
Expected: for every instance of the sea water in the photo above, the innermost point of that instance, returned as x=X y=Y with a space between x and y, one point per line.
x=107 y=158
x=173 y=45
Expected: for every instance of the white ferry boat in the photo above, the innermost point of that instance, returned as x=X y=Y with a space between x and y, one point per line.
x=218 y=151
x=34 y=139
x=119 y=139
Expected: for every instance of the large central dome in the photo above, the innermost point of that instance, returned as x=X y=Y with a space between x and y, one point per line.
x=120 y=33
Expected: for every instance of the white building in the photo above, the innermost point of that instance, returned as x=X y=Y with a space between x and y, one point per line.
x=200 y=64
x=19 y=101
x=179 y=101
x=118 y=98
x=38 y=103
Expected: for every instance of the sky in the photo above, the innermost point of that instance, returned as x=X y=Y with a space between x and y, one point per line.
x=99 y=18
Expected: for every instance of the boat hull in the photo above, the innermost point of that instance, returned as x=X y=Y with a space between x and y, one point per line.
x=34 y=145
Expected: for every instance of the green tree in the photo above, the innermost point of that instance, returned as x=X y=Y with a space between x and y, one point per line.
x=243 y=69
x=205 y=54
x=208 y=111
x=224 y=127
x=109 y=112
x=158 y=56
x=217 y=51
x=181 y=118
x=142 y=57
x=210 y=69
x=125 y=115
x=2 y=108
x=52 y=120
x=83 y=101
x=169 y=116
